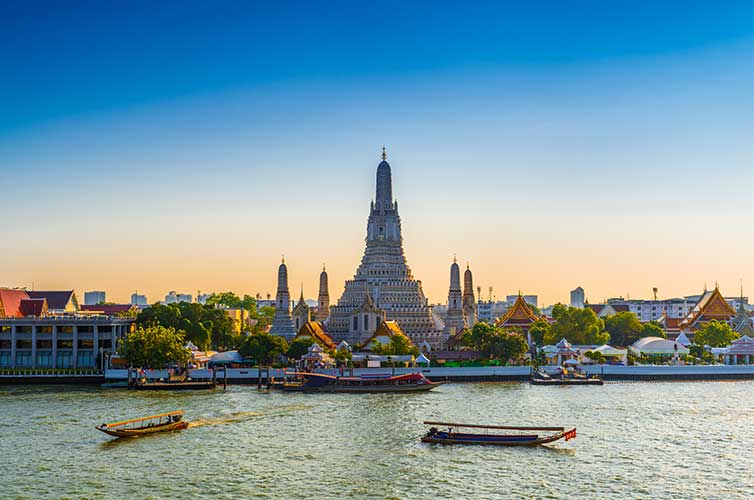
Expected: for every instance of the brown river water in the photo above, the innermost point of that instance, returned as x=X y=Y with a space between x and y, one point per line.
x=640 y=440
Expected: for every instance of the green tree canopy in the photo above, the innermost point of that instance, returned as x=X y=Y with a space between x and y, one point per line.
x=299 y=346
x=263 y=348
x=399 y=345
x=203 y=325
x=715 y=334
x=479 y=335
x=505 y=346
x=538 y=330
x=154 y=347
x=578 y=326
x=652 y=329
x=624 y=328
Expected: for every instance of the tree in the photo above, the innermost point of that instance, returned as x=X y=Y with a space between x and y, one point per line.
x=203 y=325
x=225 y=299
x=154 y=347
x=538 y=330
x=399 y=345
x=263 y=348
x=715 y=334
x=505 y=346
x=479 y=336
x=299 y=346
x=652 y=329
x=624 y=328
x=342 y=356
x=578 y=326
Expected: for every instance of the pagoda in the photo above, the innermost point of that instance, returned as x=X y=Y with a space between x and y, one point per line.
x=383 y=287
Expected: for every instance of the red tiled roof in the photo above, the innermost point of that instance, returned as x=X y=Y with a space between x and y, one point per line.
x=55 y=300
x=33 y=307
x=597 y=308
x=10 y=302
x=108 y=309
x=620 y=307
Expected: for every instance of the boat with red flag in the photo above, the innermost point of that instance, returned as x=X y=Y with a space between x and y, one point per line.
x=453 y=433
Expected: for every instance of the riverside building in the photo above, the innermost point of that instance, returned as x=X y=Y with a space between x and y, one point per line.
x=32 y=335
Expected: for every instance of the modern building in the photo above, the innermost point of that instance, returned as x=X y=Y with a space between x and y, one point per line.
x=173 y=298
x=201 y=298
x=383 y=287
x=33 y=336
x=489 y=310
x=577 y=297
x=93 y=298
x=138 y=300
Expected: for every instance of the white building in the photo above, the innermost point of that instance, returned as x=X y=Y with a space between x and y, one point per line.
x=94 y=297
x=487 y=310
x=138 y=300
x=201 y=298
x=577 y=298
x=173 y=298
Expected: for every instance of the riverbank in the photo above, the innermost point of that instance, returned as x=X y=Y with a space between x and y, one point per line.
x=511 y=374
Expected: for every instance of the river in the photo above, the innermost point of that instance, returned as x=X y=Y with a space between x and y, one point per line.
x=640 y=440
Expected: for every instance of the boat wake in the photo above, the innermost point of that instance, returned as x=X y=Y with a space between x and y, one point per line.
x=231 y=418
x=242 y=416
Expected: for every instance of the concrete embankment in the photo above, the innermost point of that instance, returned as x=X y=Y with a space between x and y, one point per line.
x=511 y=374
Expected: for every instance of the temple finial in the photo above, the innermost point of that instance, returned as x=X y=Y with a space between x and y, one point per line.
x=283 y=258
x=323 y=267
x=384 y=154
x=455 y=260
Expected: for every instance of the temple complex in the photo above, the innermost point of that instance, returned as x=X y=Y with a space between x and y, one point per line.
x=383 y=287
x=282 y=324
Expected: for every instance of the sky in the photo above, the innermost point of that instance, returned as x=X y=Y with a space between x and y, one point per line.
x=156 y=146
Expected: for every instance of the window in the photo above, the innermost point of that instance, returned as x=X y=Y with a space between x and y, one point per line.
x=44 y=329
x=86 y=329
x=44 y=344
x=86 y=344
x=64 y=359
x=5 y=329
x=86 y=359
x=5 y=344
x=23 y=359
x=4 y=359
x=23 y=329
x=105 y=329
x=65 y=344
x=355 y=323
x=366 y=322
x=44 y=359
x=65 y=329
x=23 y=344
x=106 y=343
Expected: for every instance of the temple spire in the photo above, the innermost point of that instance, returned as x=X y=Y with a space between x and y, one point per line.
x=384 y=195
x=384 y=154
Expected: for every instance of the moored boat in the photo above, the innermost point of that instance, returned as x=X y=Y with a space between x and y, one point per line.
x=317 y=382
x=565 y=378
x=513 y=436
x=164 y=422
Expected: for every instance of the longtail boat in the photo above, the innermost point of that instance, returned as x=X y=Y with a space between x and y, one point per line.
x=521 y=436
x=164 y=422
x=317 y=382
x=542 y=378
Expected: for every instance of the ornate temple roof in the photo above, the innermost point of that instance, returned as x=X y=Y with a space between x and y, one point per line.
x=316 y=330
x=518 y=314
x=711 y=305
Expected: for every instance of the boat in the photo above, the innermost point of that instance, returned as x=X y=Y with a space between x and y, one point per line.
x=521 y=436
x=569 y=378
x=164 y=422
x=173 y=383
x=317 y=382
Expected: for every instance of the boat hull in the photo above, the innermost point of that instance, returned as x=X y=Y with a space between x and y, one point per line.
x=497 y=441
x=123 y=433
x=370 y=389
x=584 y=381
x=174 y=386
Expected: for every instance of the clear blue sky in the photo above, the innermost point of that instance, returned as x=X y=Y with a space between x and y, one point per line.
x=513 y=128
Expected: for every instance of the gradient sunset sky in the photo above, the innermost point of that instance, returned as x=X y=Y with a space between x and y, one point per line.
x=185 y=146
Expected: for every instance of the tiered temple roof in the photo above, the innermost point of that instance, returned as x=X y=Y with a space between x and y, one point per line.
x=711 y=305
x=519 y=315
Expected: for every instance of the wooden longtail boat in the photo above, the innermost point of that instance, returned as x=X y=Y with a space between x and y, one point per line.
x=316 y=382
x=164 y=422
x=523 y=436
x=541 y=378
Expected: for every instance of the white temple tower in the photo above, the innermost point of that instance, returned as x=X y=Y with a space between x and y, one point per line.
x=323 y=301
x=282 y=324
x=469 y=301
x=454 y=322
x=383 y=277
